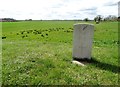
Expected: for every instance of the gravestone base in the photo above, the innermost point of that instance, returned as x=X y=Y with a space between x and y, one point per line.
x=78 y=63
x=81 y=61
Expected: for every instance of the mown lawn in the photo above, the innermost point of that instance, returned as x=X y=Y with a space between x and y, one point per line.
x=40 y=53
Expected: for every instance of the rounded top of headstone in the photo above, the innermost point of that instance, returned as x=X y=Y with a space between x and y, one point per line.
x=83 y=24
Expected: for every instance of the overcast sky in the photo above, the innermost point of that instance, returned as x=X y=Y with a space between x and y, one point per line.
x=57 y=9
x=119 y=8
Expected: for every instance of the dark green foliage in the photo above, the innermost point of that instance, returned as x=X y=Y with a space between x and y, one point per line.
x=4 y=37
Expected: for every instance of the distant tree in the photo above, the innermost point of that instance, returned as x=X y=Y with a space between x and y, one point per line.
x=118 y=18
x=86 y=19
x=28 y=19
x=8 y=20
x=98 y=19
x=111 y=18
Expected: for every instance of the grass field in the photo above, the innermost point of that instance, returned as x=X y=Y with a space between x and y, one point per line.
x=40 y=53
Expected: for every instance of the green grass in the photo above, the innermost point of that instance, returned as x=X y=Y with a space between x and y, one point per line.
x=40 y=53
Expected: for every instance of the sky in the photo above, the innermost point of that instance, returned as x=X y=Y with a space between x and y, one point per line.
x=119 y=8
x=57 y=9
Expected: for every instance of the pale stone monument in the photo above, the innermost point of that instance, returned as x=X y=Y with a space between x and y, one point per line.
x=82 y=41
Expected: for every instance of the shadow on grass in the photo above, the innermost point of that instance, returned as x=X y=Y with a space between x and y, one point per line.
x=101 y=65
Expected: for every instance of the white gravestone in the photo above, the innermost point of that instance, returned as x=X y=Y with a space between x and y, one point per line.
x=82 y=41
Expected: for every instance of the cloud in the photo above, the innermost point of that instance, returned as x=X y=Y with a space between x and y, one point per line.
x=89 y=9
x=119 y=8
x=91 y=13
x=57 y=9
x=58 y=5
x=111 y=4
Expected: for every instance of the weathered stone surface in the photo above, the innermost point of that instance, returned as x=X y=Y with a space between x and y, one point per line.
x=82 y=40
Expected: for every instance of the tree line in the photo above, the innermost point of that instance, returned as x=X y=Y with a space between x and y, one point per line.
x=7 y=20
x=100 y=18
x=97 y=19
